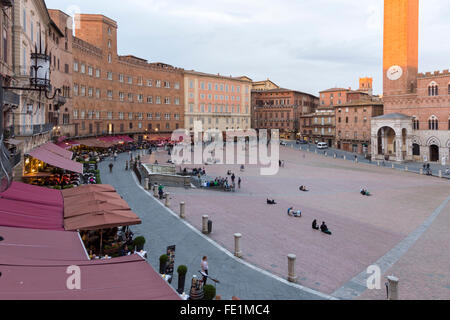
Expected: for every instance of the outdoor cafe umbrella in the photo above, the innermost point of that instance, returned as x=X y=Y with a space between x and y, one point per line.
x=89 y=207
x=98 y=196
x=87 y=189
x=106 y=219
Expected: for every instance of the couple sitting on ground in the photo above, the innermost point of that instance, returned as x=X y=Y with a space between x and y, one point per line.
x=303 y=188
x=323 y=227
x=271 y=201
x=365 y=192
x=292 y=213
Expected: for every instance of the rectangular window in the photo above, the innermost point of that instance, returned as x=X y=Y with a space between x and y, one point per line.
x=158 y=100
x=120 y=115
x=166 y=84
x=97 y=73
x=149 y=83
x=110 y=75
x=97 y=93
x=150 y=99
x=130 y=97
x=158 y=83
x=130 y=80
x=75 y=66
x=110 y=95
x=121 y=96
x=121 y=78
x=90 y=71
x=177 y=101
x=83 y=68
x=149 y=116
x=167 y=100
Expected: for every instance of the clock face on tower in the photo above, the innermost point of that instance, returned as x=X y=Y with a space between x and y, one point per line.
x=394 y=73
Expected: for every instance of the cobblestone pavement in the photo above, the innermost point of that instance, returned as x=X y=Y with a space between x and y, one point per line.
x=161 y=229
x=365 y=229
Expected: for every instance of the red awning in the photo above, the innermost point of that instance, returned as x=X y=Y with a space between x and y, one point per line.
x=29 y=193
x=125 y=278
x=30 y=215
x=56 y=160
x=41 y=245
x=58 y=150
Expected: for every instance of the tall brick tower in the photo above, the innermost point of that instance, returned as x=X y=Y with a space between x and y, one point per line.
x=401 y=52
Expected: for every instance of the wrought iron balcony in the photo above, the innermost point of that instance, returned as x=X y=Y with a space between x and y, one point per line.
x=30 y=130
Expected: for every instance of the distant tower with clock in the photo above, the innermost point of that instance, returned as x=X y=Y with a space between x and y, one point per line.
x=401 y=46
x=416 y=121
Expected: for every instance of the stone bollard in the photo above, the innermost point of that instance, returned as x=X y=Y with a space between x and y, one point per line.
x=326 y=154
x=146 y=180
x=440 y=174
x=205 y=219
x=378 y=163
x=345 y=158
x=393 y=166
x=392 y=288
x=335 y=156
x=168 y=200
x=421 y=171
x=315 y=151
x=356 y=160
x=155 y=191
x=182 y=210
x=291 y=268
x=406 y=169
x=237 y=248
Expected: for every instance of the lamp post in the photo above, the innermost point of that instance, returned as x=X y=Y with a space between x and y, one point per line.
x=39 y=82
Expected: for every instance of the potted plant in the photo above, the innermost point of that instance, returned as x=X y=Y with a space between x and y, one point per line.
x=182 y=270
x=139 y=243
x=163 y=263
x=209 y=292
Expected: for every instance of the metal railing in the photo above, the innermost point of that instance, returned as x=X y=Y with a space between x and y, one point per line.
x=30 y=130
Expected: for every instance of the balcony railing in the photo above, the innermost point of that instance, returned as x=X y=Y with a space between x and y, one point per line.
x=30 y=130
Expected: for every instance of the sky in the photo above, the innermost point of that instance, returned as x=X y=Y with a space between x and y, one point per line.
x=305 y=45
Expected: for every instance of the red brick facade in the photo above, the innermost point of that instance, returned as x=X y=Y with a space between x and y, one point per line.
x=121 y=94
x=281 y=109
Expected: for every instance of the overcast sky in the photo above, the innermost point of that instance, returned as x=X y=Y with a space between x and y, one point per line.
x=306 y=45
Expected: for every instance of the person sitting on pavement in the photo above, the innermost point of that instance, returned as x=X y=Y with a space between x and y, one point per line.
x=365 y=192
x=324 y=228
x=314 y=225
x=293 y=213
x=269 y=201
x=303 y=188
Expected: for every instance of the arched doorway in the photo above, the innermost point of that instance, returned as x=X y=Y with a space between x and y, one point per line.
x=386 y=141
x=434 y=153
x=416 y=149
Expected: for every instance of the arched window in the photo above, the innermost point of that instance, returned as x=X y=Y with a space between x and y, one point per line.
x=433 y=89
x=433 y=123
x=416 y=124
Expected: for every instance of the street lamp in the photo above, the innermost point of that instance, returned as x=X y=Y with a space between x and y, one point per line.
x=40 y=82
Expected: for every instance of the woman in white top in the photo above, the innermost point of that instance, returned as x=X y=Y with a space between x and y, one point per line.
x=204 y=266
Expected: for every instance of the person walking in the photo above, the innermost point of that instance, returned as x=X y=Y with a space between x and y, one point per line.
x=126 y=166
x=204 y=266
x=239 y=182
x=110 y=167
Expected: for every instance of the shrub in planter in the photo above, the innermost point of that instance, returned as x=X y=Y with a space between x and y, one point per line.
x=163 y=263
x=139 y=243
x=209 y=292
x=182 y=270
